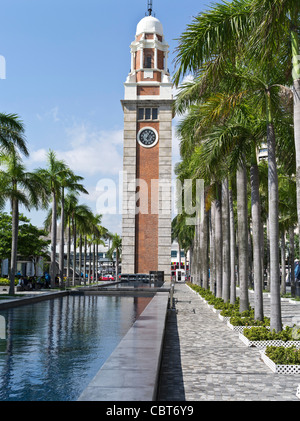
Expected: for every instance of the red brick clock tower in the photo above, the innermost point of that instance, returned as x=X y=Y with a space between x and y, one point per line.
x=147 y=160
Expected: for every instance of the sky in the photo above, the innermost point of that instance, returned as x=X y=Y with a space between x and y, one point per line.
x=66 y=63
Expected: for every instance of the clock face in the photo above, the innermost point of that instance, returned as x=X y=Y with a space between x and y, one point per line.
x=147 y=137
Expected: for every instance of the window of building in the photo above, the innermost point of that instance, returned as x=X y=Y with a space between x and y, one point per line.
x=148 y=63
x=148 y=113
x=141 y=113
x=154 y=113
x=174 y=253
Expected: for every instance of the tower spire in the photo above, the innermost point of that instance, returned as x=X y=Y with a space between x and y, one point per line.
x=150 y=7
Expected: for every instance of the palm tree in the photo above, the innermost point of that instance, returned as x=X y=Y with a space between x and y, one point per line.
x=252 y=28
x=184 y=234
x=219 y=142
x=12 y=134
x=176 y=229
x=256 y=236
x=78 y=217
x=95 y=239
x=277 y=28
x=116 y=247
x=53 y=175
x=21 y=188
x=226 y=241
x=71 y=182
x=232 y=245
x=101 y=234
x=89 y=231
x=242 y=201
x=288 y=219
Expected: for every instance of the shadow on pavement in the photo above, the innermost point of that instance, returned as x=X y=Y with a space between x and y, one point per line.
x=171 y=386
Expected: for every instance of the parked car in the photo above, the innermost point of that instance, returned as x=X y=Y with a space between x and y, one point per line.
x=107 y=277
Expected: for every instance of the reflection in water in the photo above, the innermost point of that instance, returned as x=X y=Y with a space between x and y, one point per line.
x=53 y=349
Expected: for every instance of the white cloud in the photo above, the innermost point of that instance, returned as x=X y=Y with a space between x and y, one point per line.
x=89 y=152
x=52 y=114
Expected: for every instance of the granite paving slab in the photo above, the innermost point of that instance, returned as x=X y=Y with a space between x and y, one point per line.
x=203 y=360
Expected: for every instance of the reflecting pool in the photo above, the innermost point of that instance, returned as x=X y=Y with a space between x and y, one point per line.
x=50 y=351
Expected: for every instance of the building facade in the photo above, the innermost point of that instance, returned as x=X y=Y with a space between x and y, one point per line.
x=147 y=165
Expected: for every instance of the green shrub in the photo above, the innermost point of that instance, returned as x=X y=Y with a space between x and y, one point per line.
x=226 y=312
x=282 y=355
x=5 y=282
x=214 y=301
x=239 y=320
x=221 y=305
x=218 y=303
x=233 y=310
x=263 y=334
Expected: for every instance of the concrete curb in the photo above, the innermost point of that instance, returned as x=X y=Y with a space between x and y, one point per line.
x=131 y=373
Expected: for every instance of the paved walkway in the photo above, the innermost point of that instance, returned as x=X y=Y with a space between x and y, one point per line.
x=203 y=360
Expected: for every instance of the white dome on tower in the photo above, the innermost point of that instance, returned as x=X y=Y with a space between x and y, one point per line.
x=149 y=24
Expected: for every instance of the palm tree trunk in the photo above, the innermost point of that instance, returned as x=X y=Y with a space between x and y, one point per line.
x=250 y=260
x=268 y=255
x=232 y=250
x=80 y=257
x=84 y=259
x=275 y=313
x=117 y=265
x=75 y=253
x=62 y=239
x=97 y=260
x=218 y=241
x=179 y=255
x=241 y=181
x=296 y=94
x=205 y=249
x=69 y=252
x=237 y=258
x=198 y=252
x=53 y=240
x=262 y=244
x=14 y=245
x=212 y=248
x=282 y=246
x=191 y=262
x=226 y=242
x=297 y=140
x=292 y=256
x=90 y=262
x=94 y=261
x=256 y=238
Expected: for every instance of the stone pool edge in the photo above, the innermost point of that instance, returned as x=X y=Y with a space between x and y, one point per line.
x=21 y=301
x=131 y=373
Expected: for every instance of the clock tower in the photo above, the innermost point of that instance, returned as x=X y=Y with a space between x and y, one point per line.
x=147 y=158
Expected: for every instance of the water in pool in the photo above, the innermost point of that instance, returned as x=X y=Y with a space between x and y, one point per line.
x=50 y=351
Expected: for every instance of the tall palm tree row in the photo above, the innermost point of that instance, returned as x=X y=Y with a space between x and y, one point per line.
x=56 y=184
x=17 y=185
x=235 y=103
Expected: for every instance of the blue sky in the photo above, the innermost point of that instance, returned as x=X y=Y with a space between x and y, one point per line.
x=66 y=62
